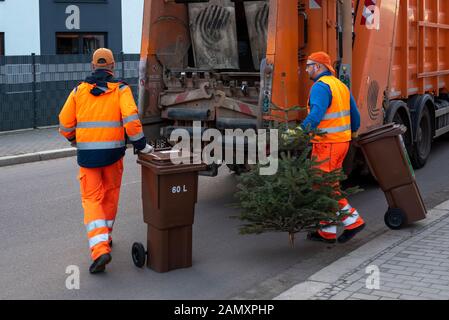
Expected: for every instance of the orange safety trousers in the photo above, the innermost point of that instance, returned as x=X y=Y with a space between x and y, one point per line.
x=100 y=191
x=333 y=155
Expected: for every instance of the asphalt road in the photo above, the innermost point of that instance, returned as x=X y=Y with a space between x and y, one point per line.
x=42 y=233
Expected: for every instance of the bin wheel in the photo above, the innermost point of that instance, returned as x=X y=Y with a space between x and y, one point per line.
x=139 y=254
x=394 y=218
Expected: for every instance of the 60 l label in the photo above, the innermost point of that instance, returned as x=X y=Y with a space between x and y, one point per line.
x=178 y=189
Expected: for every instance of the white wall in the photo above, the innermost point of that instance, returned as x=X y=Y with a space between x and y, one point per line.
x=19 y=20
x=132 y=18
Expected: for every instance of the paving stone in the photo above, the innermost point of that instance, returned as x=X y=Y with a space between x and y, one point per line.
x=409 y=278
x=392 y=266
x=404 y=285
x=406 y=292
x=342 y=295
x=431 y=296
x=409 y=264
x=424 y=289
x=355 y=287
x=428 y=275
x=364 y=296
x=400 y=272
x=411 y=297
x=386 y=294
x=440 y=287
x=436 y=281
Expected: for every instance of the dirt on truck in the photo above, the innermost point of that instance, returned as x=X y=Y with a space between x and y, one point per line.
x=226 y=63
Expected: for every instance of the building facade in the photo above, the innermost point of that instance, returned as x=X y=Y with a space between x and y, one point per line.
x=48 y=27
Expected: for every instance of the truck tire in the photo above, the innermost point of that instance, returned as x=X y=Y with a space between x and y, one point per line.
x=423 y=141
x=398 y=113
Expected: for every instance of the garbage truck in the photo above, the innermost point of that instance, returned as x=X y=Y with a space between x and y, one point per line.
x=236 y=64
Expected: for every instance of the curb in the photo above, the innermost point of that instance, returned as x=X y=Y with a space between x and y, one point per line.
x=37 y=156
x=330 y=274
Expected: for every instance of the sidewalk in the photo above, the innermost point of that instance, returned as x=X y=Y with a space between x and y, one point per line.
x=33 y=145
x=412 y=264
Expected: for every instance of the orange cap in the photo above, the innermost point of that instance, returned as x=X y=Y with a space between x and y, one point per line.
x=105 y=54
x=323 y=58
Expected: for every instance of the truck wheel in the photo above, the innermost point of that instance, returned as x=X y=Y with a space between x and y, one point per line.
x=394 y=218
x=423 y=143
x=407 y=136
x=139 y=254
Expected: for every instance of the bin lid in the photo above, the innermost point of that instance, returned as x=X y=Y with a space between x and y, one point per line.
x=161 y=161
x=384 y=131
x=163 y=158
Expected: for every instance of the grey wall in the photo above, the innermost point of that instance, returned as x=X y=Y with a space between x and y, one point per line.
x=95 y=16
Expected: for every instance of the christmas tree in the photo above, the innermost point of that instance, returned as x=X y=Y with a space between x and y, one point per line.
x=297 y=198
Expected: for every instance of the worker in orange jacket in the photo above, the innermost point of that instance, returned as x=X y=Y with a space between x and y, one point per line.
x=96 y=116
x=332 y=109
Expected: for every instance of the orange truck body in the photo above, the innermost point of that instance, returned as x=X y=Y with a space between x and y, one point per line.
x=398 y=68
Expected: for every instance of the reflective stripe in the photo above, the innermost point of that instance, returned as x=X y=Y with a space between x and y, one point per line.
x=336 y=115
x=100 y=145
x=136 y=137
x=351 y=219
x=99 y=124
x=329 y=229
x=99 y=224
x=122 y=86
x=75 y=89
x=336 y=129
x=67 y=129
x=104 y=237
x=346 y=208
x=130 y=118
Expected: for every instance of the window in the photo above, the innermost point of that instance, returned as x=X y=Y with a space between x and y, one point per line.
x=79 y=43
x=2 y=44
x=81 y=1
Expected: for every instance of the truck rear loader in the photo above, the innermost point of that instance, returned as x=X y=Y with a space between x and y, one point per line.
x=226 y=63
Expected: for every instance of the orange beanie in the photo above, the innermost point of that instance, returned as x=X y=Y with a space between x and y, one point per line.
x=323 y=58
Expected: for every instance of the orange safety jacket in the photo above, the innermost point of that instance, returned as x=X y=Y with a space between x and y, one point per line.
x=336 y=122
x=96 y=115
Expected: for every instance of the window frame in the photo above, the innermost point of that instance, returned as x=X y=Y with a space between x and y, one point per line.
x=80 y=1
x=2 y=43
x=80 y=36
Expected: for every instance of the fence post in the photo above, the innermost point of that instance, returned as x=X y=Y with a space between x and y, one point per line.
x=123 y=64
x=33 y=61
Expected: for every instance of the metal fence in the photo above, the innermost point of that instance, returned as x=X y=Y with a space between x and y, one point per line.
x=33 y=88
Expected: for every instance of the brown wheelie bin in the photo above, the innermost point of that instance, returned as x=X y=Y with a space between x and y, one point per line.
x=387 y=158
x=169 y=195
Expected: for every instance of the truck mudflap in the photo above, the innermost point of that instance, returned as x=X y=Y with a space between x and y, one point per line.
x=214 y=34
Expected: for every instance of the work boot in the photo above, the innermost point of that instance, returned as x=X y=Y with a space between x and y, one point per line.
x=315 y=236
x=349 y=234
x=99 y=265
